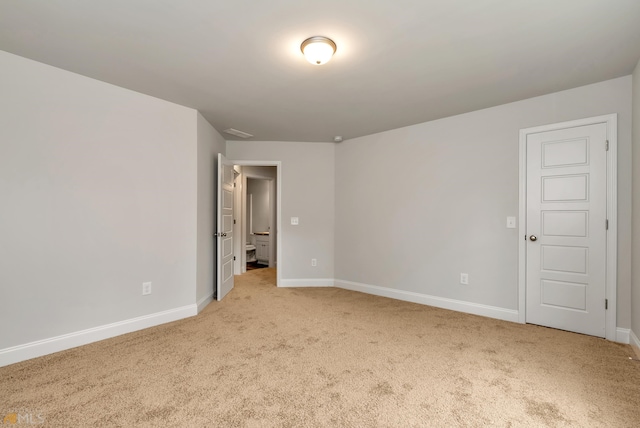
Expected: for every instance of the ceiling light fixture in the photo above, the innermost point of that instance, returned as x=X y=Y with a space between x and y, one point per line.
x=318 y=49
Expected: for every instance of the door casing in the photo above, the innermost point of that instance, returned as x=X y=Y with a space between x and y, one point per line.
x=278 y=220
x=611 y=122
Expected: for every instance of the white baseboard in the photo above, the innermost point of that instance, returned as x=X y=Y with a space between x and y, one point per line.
x=425 y=299
x=202 y=303
x=313 y=282
x=622 y=335
x=39 y=348
x=634 y=342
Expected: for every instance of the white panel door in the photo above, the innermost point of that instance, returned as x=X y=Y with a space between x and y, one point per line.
x=566 y=229
x=224 y=227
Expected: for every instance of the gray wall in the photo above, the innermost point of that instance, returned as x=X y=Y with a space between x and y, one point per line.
x=308 y=193
x=103 y=188
x=98 y=191
x=210 y=143
x=417 y=206
x=635 y=291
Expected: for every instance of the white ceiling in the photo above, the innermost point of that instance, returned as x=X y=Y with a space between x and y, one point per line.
x=399 y=62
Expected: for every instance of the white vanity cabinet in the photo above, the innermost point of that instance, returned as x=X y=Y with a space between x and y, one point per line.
x=262 y=249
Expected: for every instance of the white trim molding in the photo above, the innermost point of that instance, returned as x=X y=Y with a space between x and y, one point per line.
x=611 y=121
x=63 y=342
x=622 y=335
x=438 y=302
x=312 y=282
x=204 y=302
x=634 y=342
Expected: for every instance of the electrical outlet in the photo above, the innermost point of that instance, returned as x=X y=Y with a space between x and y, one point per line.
x=314 y=262
x=464 y=278
x=146 y=288
x=295 y=221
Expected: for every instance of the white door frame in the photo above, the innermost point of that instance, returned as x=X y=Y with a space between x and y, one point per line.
x=611 y=286
x=278 y=166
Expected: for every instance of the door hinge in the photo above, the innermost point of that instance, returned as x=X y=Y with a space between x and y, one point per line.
x=607 y=145
x=234 y=221
x=607 y=224
x=606 y=304
x=234 y=258
x=234 y=184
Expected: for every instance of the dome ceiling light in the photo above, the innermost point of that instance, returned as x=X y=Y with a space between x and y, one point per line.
x=318 y=49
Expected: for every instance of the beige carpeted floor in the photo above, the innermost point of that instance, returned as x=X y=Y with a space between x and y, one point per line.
x=329 y=357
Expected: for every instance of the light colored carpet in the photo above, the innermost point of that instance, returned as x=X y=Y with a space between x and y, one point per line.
x=329 y=357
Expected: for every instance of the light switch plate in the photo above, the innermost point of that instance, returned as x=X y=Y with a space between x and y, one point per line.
x=146 y=288
x=294 y=221
x=511 y=222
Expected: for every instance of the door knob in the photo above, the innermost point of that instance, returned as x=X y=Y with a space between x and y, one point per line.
x=533 y=237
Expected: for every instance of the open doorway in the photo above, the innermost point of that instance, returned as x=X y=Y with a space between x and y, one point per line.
x=257 y=223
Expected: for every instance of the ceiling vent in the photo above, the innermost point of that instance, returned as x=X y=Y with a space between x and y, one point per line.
x=238 y=133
